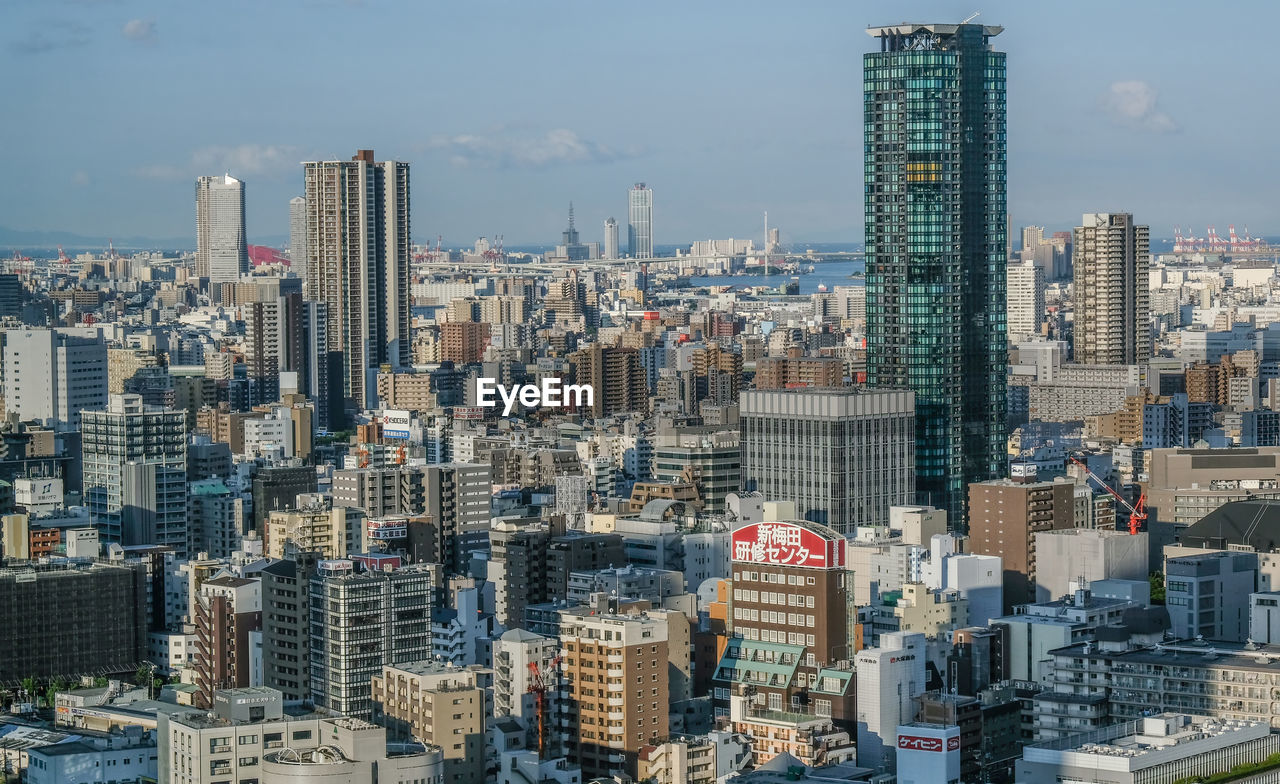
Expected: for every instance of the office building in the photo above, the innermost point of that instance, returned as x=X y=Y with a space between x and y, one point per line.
x=611 y=239
x=247 y=736
x=388 y=612
x=622 y=659
x=135 y=473
x=1064 y=558
x=890 y=678
x=276 y=488
x=929 y=751
x=640 y=222
x=935 y=274
x=1025 y=311
x=12 y=294
x=1111 y=290
x=1164 y=747
x=67 y=618
x=50 y=375
x=228 y=612
x=1208 y=595
x=360 y=269
x=1004 y=517
x=843 y=456
x=216 y=518
x=222 y=252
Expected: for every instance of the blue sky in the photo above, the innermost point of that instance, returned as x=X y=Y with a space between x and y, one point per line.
x=509 y=110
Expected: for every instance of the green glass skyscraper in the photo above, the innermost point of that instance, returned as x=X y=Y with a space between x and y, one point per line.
x=935 y=159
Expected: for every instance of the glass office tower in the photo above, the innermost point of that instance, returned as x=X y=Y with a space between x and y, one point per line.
x=934 y=120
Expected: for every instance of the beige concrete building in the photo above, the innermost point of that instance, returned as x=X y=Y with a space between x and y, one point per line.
x=314 y=525
x=440 y=705
x=931 y=613
x=123 y=363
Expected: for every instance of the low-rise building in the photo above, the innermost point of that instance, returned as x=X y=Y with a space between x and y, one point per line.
x=1164 y=747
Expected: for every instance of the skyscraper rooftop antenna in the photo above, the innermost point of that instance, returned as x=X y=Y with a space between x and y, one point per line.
x=570 y=216
x=971 y=17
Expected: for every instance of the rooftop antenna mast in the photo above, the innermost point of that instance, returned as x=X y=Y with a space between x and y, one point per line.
x=766 y=243
x=971 y=17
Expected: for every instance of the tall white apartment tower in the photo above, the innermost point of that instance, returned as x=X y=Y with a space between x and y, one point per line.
x=357 y=240
x=611 y=239
x=298 y=237
x=640 y=222
x=1025 y=305
x=1111 y=292
x=222 y=253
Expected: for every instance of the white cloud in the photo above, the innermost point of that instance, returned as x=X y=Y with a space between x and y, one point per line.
x=1134 y=103
x=245 y=159
x=140 y=30
x=504 y=151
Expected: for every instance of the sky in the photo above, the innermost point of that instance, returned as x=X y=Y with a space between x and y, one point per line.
x=508 y=111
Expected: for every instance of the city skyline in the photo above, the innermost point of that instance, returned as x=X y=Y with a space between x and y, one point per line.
x=503 y=159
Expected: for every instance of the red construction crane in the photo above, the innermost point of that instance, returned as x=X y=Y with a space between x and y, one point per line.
x=539 y=682
x=1137 y=513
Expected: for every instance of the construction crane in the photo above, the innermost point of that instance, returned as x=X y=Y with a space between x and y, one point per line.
x=1137 y=513
x=539 y=682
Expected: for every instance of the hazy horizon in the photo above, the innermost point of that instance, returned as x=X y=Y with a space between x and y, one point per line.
x=510 y=111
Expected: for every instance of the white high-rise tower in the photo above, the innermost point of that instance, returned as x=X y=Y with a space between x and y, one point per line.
x=222 y=254
x=640 y=222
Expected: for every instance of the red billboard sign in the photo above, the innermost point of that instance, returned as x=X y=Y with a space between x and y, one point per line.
x=787 y=544
x=923 y=743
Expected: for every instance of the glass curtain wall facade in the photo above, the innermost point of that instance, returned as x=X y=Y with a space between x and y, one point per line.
x=935 y=159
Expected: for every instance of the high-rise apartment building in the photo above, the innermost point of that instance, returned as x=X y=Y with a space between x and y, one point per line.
x=611 y=239
x=934 y=123
x=1111 y=291
x=286 y=624
x=458 y=497
x=228 y=609
x=357 y=239
x=51 y=375
x=844 y=456
x=616 y=376
x=361 y=621
x=640 y=222
x=615 y=687
x=298 y=236
x=222 y=252
x=1025 y=310
x=135 y=473
x=1004 y=518
x=274 y=339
